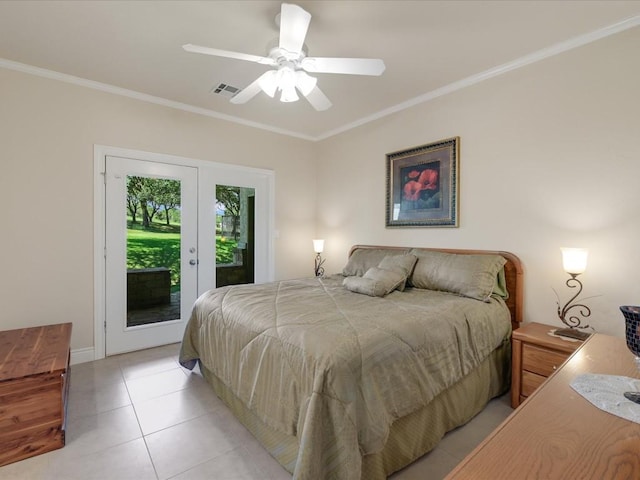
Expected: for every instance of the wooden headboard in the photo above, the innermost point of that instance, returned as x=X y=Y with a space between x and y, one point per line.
x=512 y=272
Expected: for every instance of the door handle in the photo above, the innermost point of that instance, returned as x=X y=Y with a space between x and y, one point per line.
x=193 y=262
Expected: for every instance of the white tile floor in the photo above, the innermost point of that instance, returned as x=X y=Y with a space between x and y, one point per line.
x=141 y=416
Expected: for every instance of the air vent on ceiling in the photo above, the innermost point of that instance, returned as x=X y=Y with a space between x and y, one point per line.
x=224 y=89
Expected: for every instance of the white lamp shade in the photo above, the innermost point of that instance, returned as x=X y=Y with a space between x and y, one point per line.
x=269 y=83
x=287 y=78
x=574 y=260
x=305 y=83
x=289 y=95
x=318 y=246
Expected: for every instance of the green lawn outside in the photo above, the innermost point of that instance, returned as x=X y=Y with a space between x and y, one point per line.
x=159 y=246
x=224 y=249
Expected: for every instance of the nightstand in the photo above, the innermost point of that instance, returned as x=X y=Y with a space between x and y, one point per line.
x=534 y=356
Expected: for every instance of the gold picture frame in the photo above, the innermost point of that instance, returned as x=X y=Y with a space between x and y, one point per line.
x=422 y=185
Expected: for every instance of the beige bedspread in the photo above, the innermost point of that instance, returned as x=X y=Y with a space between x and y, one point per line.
x=336 y=368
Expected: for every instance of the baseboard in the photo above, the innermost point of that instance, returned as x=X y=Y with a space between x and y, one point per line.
x=82 y=355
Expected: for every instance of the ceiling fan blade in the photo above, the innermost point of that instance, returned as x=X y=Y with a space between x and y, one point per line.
x=251 y=90
x=226 y=53
x=294 y=23
x=318 y=99
x=351 y=66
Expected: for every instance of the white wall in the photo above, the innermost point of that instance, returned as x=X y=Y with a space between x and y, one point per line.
x=47 y=133
x=550 y=157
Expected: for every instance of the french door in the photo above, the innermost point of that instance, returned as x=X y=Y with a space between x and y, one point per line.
x=167 y=229
x=151 y=252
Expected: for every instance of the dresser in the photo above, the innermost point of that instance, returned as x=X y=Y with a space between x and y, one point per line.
x=558 y=434
x=34 y=386
x=534 y=356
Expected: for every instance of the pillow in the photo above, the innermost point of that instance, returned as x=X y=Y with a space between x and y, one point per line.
x=399 y=263
x=472 y=276
x=375 y=282
x=363 y=259
x=500 y=287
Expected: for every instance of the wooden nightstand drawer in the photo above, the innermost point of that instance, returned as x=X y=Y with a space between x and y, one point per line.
x=541 y=360
x=535 y=355
x=531 y=381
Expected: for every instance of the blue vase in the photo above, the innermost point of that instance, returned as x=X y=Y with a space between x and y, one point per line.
x=631 y=331
x=632 y=335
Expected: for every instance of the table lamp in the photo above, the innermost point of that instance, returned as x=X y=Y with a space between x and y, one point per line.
x=574 y=262
x=318 y=246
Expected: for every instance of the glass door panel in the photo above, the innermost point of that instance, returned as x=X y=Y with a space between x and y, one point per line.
x=153 y=250
x=235 y=235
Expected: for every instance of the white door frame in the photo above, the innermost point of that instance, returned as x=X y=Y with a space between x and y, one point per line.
x=100 y=152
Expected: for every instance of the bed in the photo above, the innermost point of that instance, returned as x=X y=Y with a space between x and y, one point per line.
x=356 y=375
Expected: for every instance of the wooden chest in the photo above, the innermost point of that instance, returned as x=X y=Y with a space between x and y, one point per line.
x=34 y=385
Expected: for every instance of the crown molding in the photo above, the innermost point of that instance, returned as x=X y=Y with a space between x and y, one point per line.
x=104 y=87
x=492 y=72
x=445 y=90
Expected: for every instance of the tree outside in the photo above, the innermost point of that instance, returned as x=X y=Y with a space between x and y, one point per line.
x=153 y=224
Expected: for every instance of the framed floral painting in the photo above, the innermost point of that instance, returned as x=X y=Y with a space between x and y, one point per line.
x=422 y=185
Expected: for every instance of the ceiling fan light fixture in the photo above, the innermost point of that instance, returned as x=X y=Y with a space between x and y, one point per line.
x=289 y=94
x=287 y=78
x=287 y=84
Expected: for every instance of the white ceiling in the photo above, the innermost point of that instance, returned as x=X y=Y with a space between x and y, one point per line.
x=429 y=48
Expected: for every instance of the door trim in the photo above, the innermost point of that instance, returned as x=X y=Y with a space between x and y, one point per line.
x=100 y=152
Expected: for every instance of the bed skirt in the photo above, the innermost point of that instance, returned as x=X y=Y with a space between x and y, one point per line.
x=410 y=437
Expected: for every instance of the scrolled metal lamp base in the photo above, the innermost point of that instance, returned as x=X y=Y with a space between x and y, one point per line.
x=572 y=322
x=319 y=269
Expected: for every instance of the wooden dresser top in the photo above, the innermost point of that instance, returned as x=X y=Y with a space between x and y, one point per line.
x=558 y=434
x=34 y=351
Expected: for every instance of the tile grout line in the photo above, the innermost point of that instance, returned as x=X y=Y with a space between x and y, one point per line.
x=135 y=412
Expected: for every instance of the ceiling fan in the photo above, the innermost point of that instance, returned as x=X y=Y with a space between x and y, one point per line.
x=291 y=64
